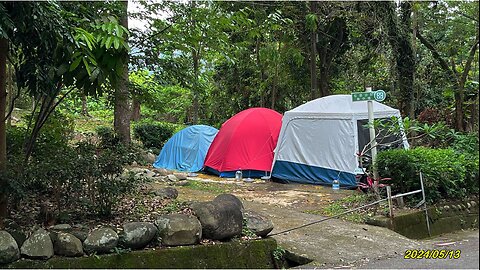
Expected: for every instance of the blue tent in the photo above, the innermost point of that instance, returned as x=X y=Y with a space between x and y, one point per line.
x=186 y=150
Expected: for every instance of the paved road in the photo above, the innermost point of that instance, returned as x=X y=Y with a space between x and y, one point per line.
x=466 y=241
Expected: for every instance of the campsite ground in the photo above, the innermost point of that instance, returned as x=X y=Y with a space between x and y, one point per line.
x=331 y=244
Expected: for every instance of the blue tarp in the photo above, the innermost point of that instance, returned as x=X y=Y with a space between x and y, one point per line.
x=286 y=171
x=186 y=150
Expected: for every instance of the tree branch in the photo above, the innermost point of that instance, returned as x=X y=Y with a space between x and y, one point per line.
x=443 y=64
x=468 y=64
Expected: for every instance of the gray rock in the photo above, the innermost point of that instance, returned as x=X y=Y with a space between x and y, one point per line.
x=161 y=172
x=166 y=193
x=149 y=157
x=149 y=174
x=180 y=176
x=66 y=244
x=137 y=235
x=178 y=229
x=62 y=227
x=137 y=170
x=473 y=203
x=80 y=231
x=257 y=223
x=172 y=178
x=15 y=231
x=8 y=248
x=225 y=197
x=101 y=240
x=38 y=246
x=221 y=219
x=181 y=183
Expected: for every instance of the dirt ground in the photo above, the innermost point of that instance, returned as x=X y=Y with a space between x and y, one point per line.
x=333 y=243
x=297 y=196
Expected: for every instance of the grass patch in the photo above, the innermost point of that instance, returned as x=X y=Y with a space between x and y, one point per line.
x=346 y=204
x=215 y=188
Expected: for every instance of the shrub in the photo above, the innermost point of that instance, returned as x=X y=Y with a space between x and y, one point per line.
x=84 y=178
x=154 y=135
x=446 y=174
x=108 y=137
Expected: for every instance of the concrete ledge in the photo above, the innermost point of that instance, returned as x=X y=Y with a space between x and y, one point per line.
x=443 y=219
x=235 y=254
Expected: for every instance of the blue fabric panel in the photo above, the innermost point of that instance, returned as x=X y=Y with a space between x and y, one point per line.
x=186 y=150
x=231 y=174
x=305 y=174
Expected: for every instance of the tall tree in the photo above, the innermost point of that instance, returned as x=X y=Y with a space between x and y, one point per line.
x=122 y=114
x=398 y=33
x=454 y=48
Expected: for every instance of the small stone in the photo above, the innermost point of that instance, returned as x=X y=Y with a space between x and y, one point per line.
x=161 y=172
x=134 y=163
x=62 y=227
x=181 y=176
x=150 y=157
x=446 y=207
x=149 y=174
x=172 y=178
x=474 y=203
x=469 y=205
x=166 y=193
x=182 y=183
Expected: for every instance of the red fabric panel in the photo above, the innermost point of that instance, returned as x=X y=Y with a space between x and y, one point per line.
x=246 y=141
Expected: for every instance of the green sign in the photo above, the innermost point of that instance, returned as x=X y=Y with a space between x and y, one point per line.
x=378 y=95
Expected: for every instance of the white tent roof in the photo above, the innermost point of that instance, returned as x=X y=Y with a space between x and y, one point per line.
x=342 y=105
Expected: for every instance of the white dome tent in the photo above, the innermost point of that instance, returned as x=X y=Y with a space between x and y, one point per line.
x=319 y=140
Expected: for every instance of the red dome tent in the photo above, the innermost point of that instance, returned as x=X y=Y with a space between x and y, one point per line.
x=245 y=142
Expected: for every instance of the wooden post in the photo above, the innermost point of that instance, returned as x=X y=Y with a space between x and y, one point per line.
x=390 y=205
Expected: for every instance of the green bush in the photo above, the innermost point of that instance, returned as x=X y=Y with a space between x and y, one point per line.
x=154 y=135
x=446 y=174
x=108 y=137
x=84 y=179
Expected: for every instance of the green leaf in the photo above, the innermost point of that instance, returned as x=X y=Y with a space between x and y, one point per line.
x=87 y=66
x=75 y=64
x=108 y=43
x=116 y=43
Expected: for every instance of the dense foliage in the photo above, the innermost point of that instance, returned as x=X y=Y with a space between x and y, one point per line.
x=72 y=69
x=154 y=135
x=446 y=174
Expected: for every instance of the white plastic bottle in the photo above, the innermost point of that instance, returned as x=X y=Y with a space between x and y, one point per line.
x=238 y=175
x=335 y=185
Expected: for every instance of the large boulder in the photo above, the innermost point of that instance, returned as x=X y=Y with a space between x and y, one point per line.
x=101 y=240
x=225 y=197
x=66 y=244
x=178 y=229
x=220 y=219
x=137 y=235
x=38 y=246
x=257 y=223
x=8 y=248
x=166 y=193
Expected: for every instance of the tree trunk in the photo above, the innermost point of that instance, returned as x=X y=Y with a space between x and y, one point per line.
x=398 y=37
x=121 y=114
x=313 y=57
x=84 y=105
x=195 y=86
x=135 y=110
x=262 y=71
x=3 y=139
